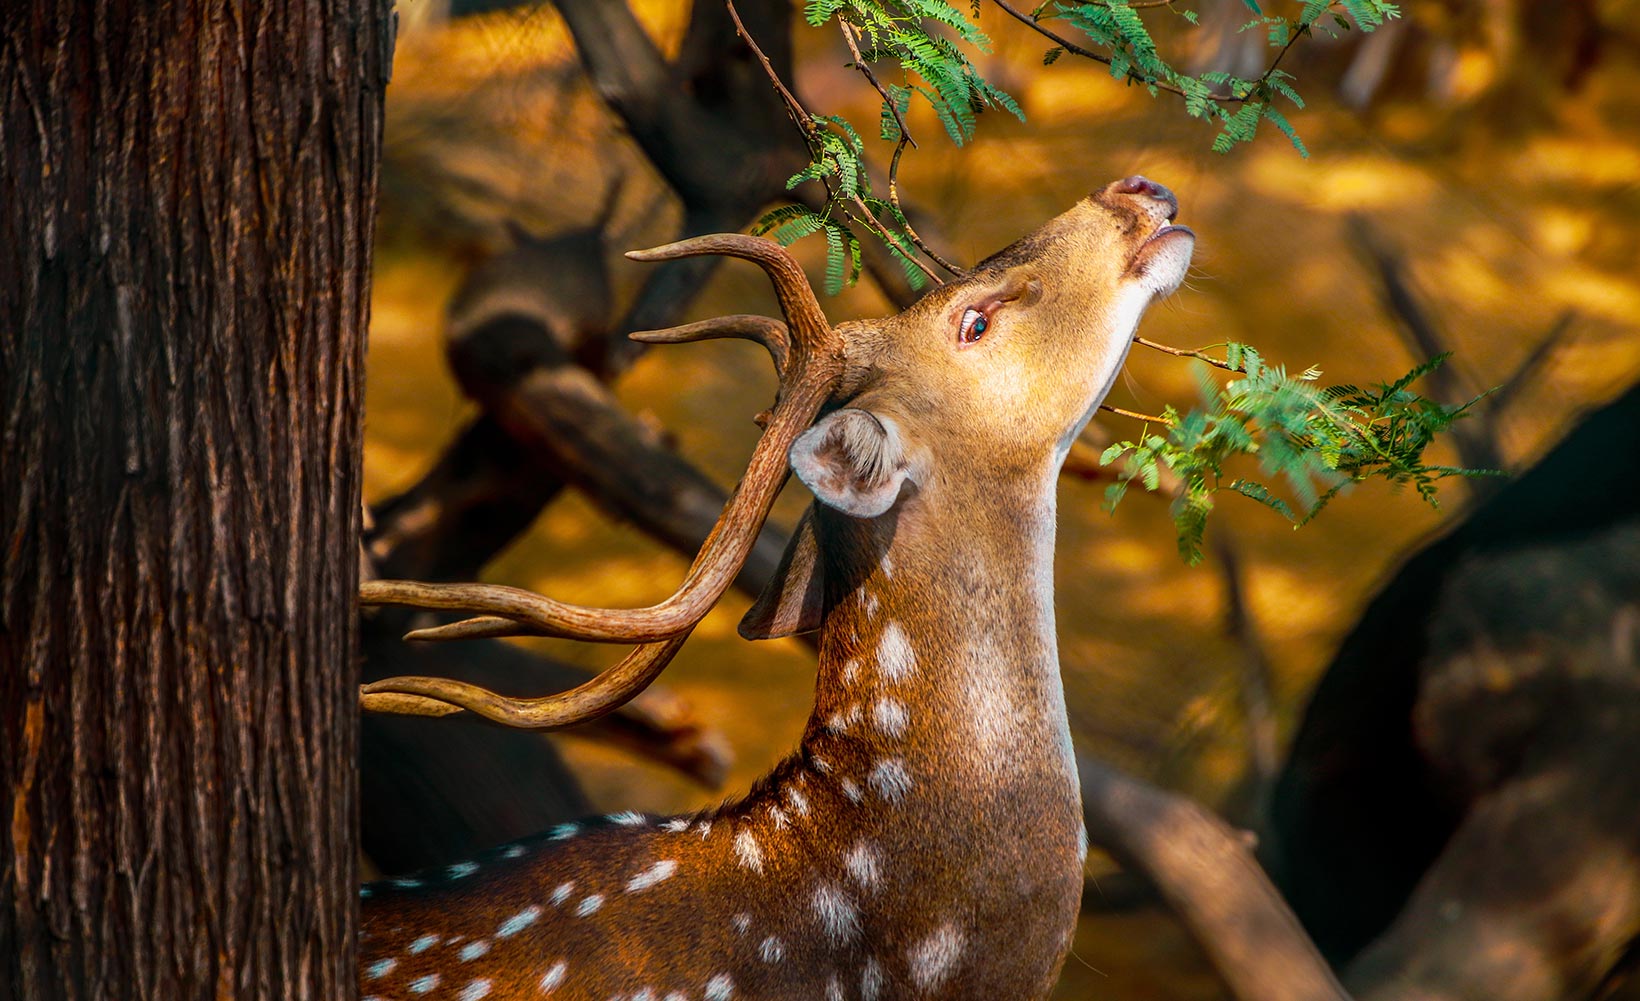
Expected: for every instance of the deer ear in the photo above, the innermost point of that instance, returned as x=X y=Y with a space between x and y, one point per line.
x=793 y=601
x=853 y=461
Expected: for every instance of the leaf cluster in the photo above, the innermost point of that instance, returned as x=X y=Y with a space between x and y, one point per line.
x=925 y=44
x=924 y=39
x=1238 y=105
x=1317 y=440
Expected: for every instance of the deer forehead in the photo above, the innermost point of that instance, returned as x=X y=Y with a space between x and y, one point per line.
x=1055 y=301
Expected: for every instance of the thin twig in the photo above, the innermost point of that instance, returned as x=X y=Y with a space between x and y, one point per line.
x=1134 y=414
x=807 y=123
x=1031 y=21
x=1552 y=342
x=905 y=220
x=862 y=214
x=1186 y=353
x=794 y=107
x=894 y=165
x=865 y=69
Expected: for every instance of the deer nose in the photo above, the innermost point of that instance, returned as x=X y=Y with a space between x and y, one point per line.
x=1140 y=185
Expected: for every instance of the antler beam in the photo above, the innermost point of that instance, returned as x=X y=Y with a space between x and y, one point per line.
x=809 y=357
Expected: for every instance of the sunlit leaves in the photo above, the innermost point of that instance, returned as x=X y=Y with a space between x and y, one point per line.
x=1315 y=440
x=918 y=52
x=1237 y=105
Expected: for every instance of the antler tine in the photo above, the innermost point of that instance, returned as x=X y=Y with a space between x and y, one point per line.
x=418 y=696
x=813 y=334
x=814 y=365
x=765 y=330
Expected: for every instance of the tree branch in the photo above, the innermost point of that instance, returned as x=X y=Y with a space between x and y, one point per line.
x=1207 y=875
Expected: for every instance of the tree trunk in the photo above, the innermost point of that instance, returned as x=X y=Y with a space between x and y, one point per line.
x=187 y=191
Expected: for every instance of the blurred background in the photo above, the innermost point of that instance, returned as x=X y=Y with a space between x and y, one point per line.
x=1473 y=186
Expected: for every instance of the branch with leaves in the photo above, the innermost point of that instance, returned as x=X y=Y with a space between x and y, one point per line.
x=1318 y=440
x=909 y=50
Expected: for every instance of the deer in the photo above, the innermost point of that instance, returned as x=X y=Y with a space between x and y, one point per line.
x=925 y=839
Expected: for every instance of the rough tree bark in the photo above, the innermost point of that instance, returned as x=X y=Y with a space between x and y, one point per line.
x=187 y=192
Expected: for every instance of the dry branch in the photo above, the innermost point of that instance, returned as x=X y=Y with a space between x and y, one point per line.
x=1208 y=876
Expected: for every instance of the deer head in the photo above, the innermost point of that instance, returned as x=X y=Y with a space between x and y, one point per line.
x=992 y=377
x=982 y=381
x=925 y=841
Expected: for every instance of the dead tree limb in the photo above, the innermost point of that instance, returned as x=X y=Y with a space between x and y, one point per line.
x=1475 y=438
x=1255 y=688
x=567 y=421
x=1206 y=873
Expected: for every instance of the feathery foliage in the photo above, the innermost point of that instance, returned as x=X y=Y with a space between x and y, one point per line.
x=922 y=48
x=1317 y=440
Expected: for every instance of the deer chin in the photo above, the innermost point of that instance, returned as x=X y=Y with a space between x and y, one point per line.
x=1162 y=261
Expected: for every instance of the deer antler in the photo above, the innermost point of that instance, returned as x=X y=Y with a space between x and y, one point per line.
x=765 y=330
x=810 y=361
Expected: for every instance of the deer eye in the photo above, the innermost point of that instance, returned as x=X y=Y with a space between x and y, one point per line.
x=973 y=327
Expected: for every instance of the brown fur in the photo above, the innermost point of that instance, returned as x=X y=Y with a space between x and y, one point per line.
x=925 y=840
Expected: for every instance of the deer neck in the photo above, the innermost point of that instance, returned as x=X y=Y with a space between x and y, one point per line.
x=939 y=664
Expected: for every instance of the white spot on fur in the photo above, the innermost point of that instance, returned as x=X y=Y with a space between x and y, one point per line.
x=851 y=672
x=742 y=922
x=513 y=851
x=563 y=832
x=895 y=658
x=407 y=884
x=871 y=603
x=628 y=818
x=935 y=958
x=797 y=801
x=840 y=721
x=838 y=918
x=365 y=893
x=720 y=988
x=657 y=873
x=381 y=968
x=518 y=922
x=851 y=789
x=589 y=905
x=461 y=870
x=421 y=985
x=422 y=944
x=864 y=864
x=644 y=995
x=676 y=996
x=890 y=779
x=834 y=990
x=476 y=991
x=890 y=716
x=820 y=764
x=778 y=816
x=888 y=566
x=705 y=829
x=748 y=851
x=771 y=951
x=473 y=950
x=677 y=825
x=994 y=715
x=871 y=980
x=562 y=893
x=553 y=977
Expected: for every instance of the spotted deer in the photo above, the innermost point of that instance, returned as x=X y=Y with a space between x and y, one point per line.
x=925 y=840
